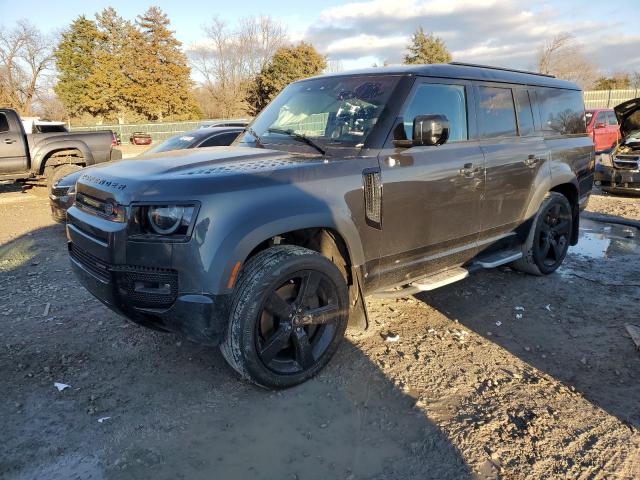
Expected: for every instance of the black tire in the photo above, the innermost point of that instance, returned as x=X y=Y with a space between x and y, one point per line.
x=289 y=313
x=549 y=238
x=56 y=173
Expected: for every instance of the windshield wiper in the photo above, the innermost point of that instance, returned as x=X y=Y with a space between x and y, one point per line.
x=253 y=133
x=298 y=136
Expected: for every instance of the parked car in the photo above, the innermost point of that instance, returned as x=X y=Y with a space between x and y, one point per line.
x=386 y=181
x=603 y=127
x=62 y=194
x=224 y=123
x=618 y=170
x=140 y=138
x=48 y=155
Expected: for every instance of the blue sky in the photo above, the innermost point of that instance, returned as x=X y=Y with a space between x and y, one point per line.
x=500 y=32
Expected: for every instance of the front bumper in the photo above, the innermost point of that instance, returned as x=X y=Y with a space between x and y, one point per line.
x=617 y=180
x=131 y=284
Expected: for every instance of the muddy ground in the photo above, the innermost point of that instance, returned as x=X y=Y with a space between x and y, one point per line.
x=500 y=376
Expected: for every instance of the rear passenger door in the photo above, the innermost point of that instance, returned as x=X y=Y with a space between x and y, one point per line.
x=13 y=155
x=514 y=155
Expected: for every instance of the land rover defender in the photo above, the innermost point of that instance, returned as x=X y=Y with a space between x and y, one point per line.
x=387 y=181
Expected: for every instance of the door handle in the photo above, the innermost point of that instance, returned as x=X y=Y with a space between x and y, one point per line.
x=468 y=170
x=9 y=141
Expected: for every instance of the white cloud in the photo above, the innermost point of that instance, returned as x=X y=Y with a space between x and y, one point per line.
x=497 y=32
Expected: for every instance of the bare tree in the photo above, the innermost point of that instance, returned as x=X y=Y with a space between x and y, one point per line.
x=230 y=58
x=25 y=56
x=563 y=57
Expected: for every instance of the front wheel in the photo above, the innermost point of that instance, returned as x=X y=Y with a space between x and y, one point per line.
x=288 y=315
x=547 y=243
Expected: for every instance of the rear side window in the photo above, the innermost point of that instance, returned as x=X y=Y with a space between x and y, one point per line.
x=221 y=140
x=4 y=123
x=611 y=119
x=523 y=109
x=496 y=115
x=439 y=99
x=562 y=111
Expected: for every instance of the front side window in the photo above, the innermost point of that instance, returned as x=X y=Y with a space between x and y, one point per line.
x=523 y=109
x=439 y=99
x=496 y=115
x=332 y=111
x=562 y=111
x=601 y=118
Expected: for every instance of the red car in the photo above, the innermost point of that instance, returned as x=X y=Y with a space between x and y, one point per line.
x=603 y=127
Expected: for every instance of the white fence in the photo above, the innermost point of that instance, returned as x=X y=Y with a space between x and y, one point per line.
x=608 y=98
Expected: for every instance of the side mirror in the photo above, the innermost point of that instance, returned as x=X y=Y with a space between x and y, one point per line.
x=430 y=130
x=599 y=125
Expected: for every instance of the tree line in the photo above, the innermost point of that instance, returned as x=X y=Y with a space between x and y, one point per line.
x=110 y=69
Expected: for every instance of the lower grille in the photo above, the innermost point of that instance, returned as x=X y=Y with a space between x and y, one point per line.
x=96 y=266
x=627 y=162
x=137 y=286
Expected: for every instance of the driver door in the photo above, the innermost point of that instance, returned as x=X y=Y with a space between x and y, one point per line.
x=431 y=201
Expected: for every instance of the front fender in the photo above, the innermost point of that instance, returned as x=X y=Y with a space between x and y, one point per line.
x=43 y=151
x=234 y=240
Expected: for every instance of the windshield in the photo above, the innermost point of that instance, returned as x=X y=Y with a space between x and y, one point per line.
x=174 y=143
x=325 y=112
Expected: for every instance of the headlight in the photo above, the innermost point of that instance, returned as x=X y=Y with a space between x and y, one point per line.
x=170 y=220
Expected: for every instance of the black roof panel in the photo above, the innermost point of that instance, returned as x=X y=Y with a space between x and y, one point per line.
x=466 y=72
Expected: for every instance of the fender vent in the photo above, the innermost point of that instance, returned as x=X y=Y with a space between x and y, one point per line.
x=372 y=197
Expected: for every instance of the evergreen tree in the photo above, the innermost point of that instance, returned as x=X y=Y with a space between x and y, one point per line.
x=161 y=76
x=287 y=65
x=426 y=49
x=75 y=57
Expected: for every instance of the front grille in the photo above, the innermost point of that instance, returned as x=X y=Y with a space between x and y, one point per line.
x=60 y=191
x=96 y=266
x=627 y=162
x=92 y=204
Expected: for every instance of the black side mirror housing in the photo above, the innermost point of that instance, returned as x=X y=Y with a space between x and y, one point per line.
x=430 y=130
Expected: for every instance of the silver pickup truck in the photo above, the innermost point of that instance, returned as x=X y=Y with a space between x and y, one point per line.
x=49 y=155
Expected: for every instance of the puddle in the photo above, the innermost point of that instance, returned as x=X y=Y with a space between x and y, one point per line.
x=603 y=240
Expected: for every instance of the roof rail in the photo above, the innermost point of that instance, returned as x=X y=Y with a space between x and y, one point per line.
x=462 y=64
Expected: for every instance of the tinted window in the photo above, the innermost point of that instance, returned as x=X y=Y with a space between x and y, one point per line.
x=178 y=142
x=220 y=140
x=496 y=115
x=601 y=118
x=562 y=111
x=611 y=119
x=4 y=123
x=434 y=99
x=525 y=114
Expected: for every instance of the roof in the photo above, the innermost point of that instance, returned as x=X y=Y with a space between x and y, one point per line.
x=466 y=72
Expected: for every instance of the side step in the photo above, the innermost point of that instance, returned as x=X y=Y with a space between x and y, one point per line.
x=440 y=279
x=495 y=259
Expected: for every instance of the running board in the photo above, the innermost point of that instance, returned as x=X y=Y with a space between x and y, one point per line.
x=440 y=279
x=496 y=259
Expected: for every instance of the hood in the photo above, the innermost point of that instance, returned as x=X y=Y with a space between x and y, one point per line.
x=189 y=171
x=628 y=115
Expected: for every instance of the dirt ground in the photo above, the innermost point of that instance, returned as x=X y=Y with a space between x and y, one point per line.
x=502 y=375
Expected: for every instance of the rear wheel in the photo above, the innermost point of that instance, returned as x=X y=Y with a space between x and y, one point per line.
x=56 y=173
x=288 y=316
x=548 y=241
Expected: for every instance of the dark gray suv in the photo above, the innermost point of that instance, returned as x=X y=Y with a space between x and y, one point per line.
x=386 y=182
